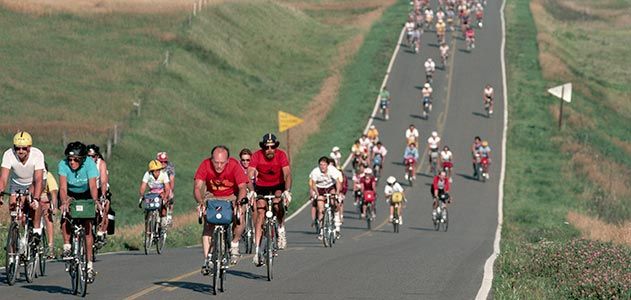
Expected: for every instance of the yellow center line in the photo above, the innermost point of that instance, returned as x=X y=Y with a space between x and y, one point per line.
x=155 y=287
x=369 y=232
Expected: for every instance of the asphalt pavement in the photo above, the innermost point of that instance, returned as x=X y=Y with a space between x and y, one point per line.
x=417 y=263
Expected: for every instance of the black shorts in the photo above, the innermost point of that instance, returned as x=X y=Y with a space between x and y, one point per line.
x=268 y=190
x=82 y=196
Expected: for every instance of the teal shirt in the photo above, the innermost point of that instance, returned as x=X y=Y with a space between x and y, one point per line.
x=384 y=95
x=78 y=180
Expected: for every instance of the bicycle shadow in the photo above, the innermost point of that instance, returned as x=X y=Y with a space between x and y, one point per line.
x=246 y=275
x=192 y=286
x=51 y=289
x=480 y=114
x=422 y=228
x=465 y=176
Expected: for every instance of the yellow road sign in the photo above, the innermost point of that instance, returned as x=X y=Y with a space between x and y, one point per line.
x=286 y=121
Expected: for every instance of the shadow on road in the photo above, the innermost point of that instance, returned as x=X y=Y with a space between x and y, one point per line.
x=464 y=50
x=480 y=114
x=465 y=176
x=193 y=286
x=422 y=228
x=246 y=275
x=51 y=289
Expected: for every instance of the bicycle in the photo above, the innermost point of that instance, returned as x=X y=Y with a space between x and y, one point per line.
x=369 y=199
x=270 y=234
x=440 y=218
x=19 y=247
x=328 y=226
x=487 y=107
x=383 y=106
x=154 y=232
x=377 y=163
x=77 y=263
x=409 y=170
x=42 y=250
x=219 y=213
x=426 y=107
x=396 y=199
x=433 y=161
x=98 y=243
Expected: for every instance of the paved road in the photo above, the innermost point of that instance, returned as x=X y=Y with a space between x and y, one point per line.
x=417 y=263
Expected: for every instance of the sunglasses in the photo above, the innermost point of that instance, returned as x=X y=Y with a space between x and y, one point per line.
x=20 y=148
x=270 y=147
x=245 y=159
x=74 y=159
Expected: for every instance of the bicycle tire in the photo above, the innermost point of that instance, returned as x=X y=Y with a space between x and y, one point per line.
x=325 y=229
x=148 y=231
x=83 y=266
x=42 y=252
x=159 y=236
x=395 y=219
x=436 y=222
x=248 y=234
x=368 y=215
x=269 y=251
x=216 y=260
x=11 y=250
x=29 y=264
x=227 y=238
x=446 y=224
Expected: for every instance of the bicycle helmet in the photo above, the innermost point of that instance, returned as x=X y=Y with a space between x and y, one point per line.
x=155 y=165
x=94 y=150
x=368 y=171
x=485 y=143
x=76 y=149
x=434 y=134
x=269 y=139
x=391 y=180
x=335 y=149
x=427 y=85
x=162 y=157
x=22 y=139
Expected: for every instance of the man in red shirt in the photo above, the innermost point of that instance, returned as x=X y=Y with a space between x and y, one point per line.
x=223 y=178
x=270 y=165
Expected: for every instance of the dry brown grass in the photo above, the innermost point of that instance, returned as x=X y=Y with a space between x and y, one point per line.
x=321 y=104
x=42 y=7
x=595 y=229
x=571 y=117
x=626 y=146
x=338 y=5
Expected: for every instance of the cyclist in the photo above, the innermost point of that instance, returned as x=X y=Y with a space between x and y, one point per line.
x=245 y=156
x=432 y=146
x=487 y=97
x=379 y=152
x=223 y=178
x=103 y=186
x=440 y=14
x=169 y=167
x=392 y=186
x=335 y=155
x=451 y=15
x=440 y=30
x=368 y=183
x=426 y=92
x=77 y=180
x=48 y=202
x=24 y=166
x=475 y=147
x=384 y=98
x=411 y=153
x=430 y=68
x=444 y=52
x=325 y=178
x=372 y=134
x=485 y=155
x=446 y=161
x=341 y=194
x=440 y=186
x=357 y=183
x=411 y=135
x=366 y=143
x=429 y=17
x=479 y=14
x=409 y=29
x=416 y=38
x=158 y=182
x=470 y=36
x=273 y=177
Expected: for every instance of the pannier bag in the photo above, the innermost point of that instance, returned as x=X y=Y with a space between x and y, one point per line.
x=218 y=212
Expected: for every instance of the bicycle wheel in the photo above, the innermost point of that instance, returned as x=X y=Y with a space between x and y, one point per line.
x=395 y=219
x=446 y=218
x=216 y=259
x=82 y=268
x=368 y=215
x=162 y=239
x=42 y=253
x=29 y=264
x=269 y=249
x=149 y=221
x=326 y=240
x=436 y=221
x=158 y=235
x=248 y=234
x=225 y=257
x=12 y=259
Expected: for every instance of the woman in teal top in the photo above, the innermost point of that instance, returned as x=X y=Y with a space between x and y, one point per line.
x=77 y=180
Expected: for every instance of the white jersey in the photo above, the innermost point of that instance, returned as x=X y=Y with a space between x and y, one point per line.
x=446 y=155
x=380 y=150
x=409 y=26
x=427 y=92
x=433 y=142
x=156 y=185
x=365 y=143
x=327 y=180
x=488 y=92
x=444 y=50
x=430 y=66
x=389 y=190
x=98 y=179
x=411 y=133
x=23 y=172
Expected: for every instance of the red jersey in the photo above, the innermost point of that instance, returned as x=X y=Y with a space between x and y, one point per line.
x=222 y=184
x=367 y=182
x=441 y=183
x=269 y=172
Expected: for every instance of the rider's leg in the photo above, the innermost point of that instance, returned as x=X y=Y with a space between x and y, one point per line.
x=89 y=240
x=207 y=238
x=237 y=229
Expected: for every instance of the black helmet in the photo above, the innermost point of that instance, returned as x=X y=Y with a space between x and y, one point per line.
x=93 y=149
x=76 y=149
x=269 y=139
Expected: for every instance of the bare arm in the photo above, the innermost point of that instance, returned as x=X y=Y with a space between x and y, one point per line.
x=104 y=177
x=37 y=183
x=63 y=191
x=143 y=187
x=94 y=192
x=4 y=175
x=197 y=191
x=287 y=177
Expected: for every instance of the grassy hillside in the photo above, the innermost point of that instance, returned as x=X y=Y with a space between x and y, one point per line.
x=559 y=181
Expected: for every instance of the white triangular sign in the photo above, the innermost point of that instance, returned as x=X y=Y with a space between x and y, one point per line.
x=563 y=91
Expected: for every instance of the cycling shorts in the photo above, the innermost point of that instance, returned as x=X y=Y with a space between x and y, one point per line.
x=268 y=190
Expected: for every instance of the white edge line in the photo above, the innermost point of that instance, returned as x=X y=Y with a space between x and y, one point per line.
x=374 y=112
x=487 y=280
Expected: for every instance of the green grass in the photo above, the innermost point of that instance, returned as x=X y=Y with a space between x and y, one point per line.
x=540 y=185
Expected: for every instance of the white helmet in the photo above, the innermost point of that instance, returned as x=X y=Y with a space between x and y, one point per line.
x=427 y=85
x=391 y=180
x=429 y=59
x=372 y=126
x=335 y=149
x=434 y=134
x=368 y=171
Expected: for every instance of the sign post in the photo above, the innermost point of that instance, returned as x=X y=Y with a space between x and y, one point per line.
x=285 y=122
x=564 y=93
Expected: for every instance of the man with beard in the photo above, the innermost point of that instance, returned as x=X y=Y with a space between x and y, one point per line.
x=270 y=165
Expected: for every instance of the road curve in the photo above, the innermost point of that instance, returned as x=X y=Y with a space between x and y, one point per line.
x=417 y=263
